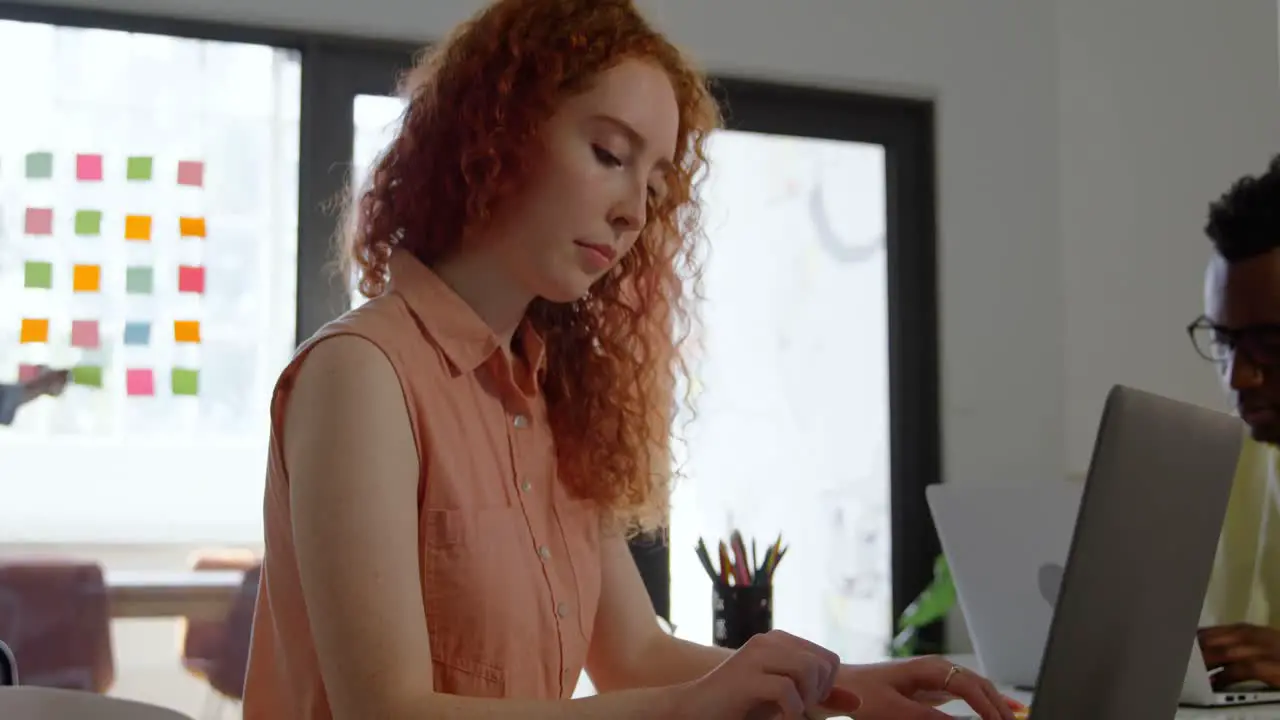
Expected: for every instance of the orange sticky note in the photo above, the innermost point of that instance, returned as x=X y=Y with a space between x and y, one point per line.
x=34 y=330
x=191 y=227
x=137 y=227
x=186 y=331
x=86 y=278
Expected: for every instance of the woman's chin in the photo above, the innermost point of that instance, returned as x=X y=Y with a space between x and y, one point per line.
x=567 y=290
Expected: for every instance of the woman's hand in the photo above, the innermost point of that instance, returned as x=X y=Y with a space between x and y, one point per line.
x=775 y=676
x=910 y=690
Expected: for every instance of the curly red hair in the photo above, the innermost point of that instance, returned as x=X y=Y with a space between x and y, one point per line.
x=476 y=104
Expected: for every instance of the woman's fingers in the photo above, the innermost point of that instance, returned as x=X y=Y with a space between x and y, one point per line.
x=810 y=667
x=979 y=693
x=778 y=691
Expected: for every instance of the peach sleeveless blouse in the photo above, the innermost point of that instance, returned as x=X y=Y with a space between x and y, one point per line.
x=510 y=561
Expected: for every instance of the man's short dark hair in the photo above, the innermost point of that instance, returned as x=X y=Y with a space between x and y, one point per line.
x=1245 y=222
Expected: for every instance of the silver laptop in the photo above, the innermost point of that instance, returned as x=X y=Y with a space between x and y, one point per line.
x=1007 y=548
x=1120 y=641
x=1007 y=576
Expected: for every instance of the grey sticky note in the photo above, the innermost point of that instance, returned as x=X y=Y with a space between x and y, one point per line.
x=138 y=280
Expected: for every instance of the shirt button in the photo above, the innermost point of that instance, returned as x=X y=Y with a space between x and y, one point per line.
x=520 y=421
x=545 y=552
x=562 y=609
x=526 y=486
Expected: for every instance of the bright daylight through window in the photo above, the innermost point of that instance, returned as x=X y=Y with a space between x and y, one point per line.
x=148 y=240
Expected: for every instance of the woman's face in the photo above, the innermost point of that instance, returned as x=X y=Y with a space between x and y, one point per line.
x=605 y=157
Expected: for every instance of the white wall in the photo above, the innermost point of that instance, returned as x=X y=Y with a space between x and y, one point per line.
x=1150 y=135
x=1075 y=167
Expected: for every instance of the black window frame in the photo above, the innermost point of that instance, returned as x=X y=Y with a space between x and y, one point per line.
x=333 y=67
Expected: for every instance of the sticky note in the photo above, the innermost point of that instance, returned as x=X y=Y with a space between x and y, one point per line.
x=137 y=227
x=88 y=167
x=137 y=333
x=87 y=375
x=88 y=222
x=39 y=165
x=27 y=373
x=186 y=331
x=84 y=333
x=86 y=278
x=138 y=280
x=140 y=382
x=190 y=279
x=185 y=382
x=191 y=227
x=37 y=275
x=34 y=330
x=39 y=221
x=138 y=167
x=191 y=173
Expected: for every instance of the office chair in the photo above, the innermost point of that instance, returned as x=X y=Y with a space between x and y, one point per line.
x=8 y=666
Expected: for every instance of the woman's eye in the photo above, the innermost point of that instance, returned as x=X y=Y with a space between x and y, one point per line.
x=605 y=157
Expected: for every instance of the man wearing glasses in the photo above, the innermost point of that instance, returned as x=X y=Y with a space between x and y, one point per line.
x=1240 y=334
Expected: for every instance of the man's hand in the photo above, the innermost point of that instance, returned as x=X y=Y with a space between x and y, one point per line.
x=1244 y=652
x=46 y=382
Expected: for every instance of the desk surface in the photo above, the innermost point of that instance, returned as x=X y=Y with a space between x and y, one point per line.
x=1253 y=712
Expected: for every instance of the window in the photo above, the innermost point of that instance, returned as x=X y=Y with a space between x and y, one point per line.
x=791 y=387
x=375 y=120
x=148 y=238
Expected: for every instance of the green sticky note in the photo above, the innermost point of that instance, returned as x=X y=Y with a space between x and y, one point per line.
x=186 y=382
x=88 y=375
x=39 y=165
x=38 y=275
x=138 y=280
x=88 y=222
x=138 y=168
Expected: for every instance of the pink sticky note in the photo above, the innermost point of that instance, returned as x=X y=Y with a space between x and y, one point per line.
x=27 y=373
x=140 y=382
x=190 y=279
x=191 y=173
x=84 y=333
x=39 y=221
x=88 y=167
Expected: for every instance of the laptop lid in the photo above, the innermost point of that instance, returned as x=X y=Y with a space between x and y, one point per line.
x=1141 y=554
x=1006 y=547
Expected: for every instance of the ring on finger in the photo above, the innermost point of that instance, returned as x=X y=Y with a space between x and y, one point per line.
x=951 y=674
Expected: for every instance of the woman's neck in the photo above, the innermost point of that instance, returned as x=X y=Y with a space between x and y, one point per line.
x=494 y=296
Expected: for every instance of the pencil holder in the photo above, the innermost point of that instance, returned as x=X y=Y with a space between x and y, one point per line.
x=739 y=612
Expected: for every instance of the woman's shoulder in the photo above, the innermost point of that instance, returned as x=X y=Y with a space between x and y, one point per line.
x=387 y=323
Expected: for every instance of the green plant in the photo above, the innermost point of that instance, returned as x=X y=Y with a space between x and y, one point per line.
x=930 y=606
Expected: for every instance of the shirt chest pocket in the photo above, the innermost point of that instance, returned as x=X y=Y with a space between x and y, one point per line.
x=474 y=591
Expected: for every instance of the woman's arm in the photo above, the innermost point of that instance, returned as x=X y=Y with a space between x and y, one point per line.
x=353 y=468
x=628 y=649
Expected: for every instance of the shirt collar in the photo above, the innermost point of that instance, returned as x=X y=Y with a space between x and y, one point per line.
x=464 y=337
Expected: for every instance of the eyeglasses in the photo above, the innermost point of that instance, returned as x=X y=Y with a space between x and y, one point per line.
x=1259 y=344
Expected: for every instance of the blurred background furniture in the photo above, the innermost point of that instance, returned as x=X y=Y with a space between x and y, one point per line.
x=219 y=651
x=8 y=666
x=54 y=616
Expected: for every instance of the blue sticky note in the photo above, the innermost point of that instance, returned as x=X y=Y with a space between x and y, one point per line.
x=137 y=333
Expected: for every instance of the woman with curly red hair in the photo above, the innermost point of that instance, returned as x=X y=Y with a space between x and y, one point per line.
x=455 y=465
